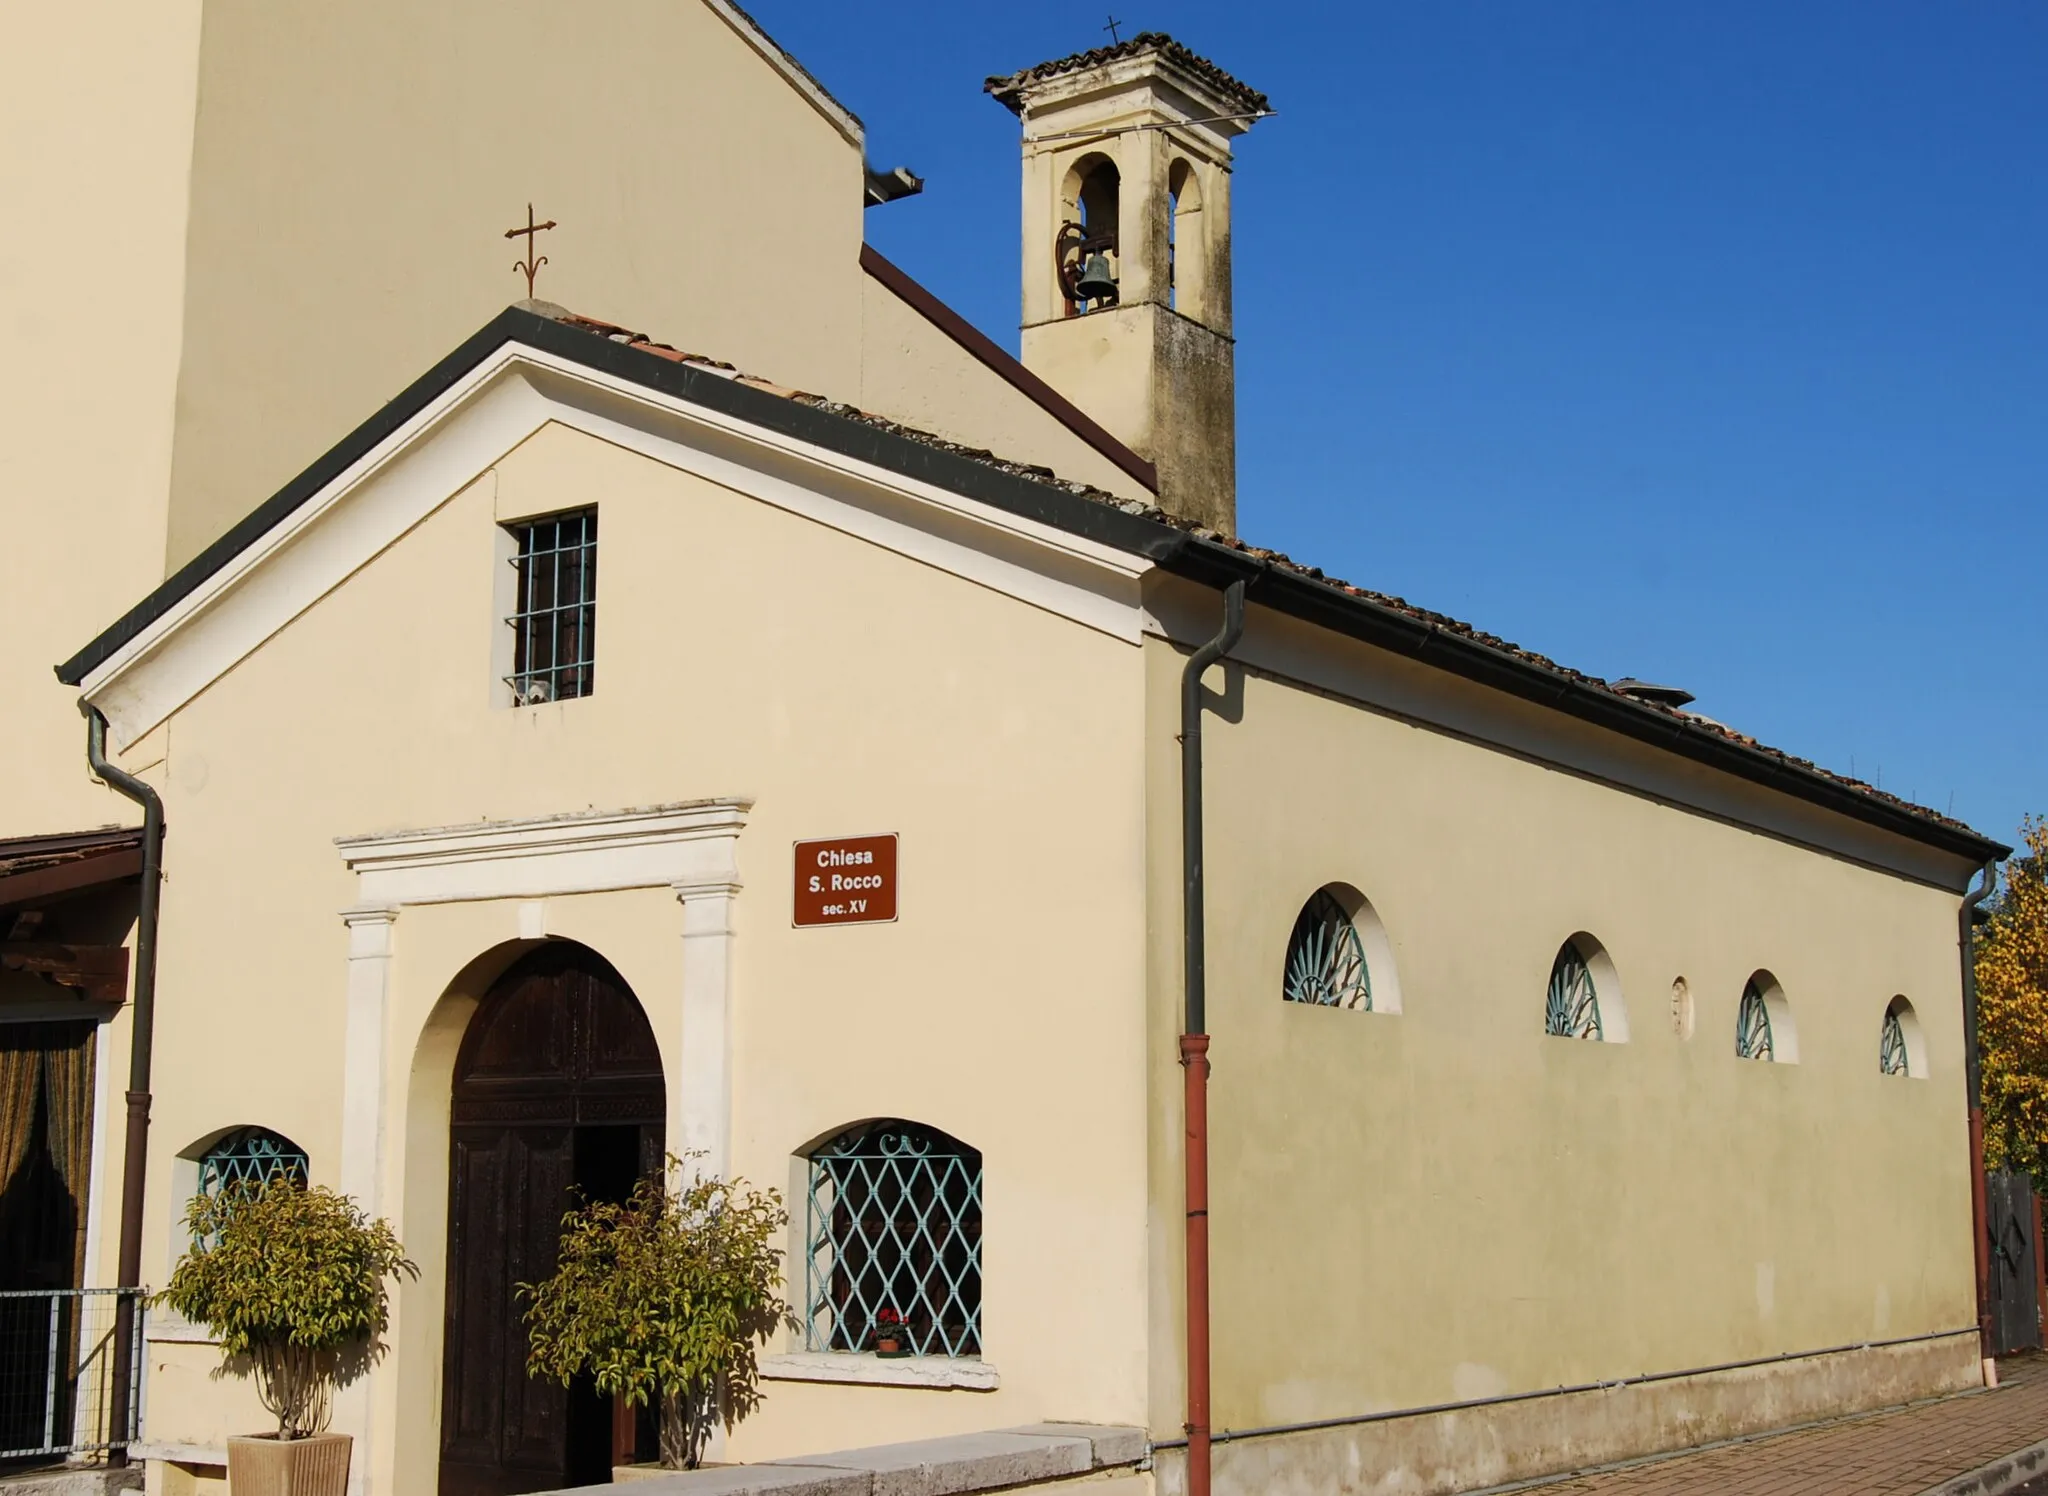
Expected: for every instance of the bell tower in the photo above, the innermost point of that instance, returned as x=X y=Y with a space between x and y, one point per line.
x=1127 y=253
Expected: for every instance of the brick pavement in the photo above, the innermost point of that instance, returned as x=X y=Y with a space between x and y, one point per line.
x=1897 y=1453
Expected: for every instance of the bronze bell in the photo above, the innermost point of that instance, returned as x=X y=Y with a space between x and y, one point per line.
x=1096 y=282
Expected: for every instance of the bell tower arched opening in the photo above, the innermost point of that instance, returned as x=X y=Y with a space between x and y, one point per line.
x=1087 y=249
x=558 y=1092
x=1187 y=257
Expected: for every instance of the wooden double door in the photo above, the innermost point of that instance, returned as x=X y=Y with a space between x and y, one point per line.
x=558 y=1091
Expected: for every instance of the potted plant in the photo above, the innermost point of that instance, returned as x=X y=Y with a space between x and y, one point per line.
x=892 y=1335
x=291 y=1283
x=665 y=1298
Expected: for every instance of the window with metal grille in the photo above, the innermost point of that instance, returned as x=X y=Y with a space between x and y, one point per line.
x=554 y=625
x=1891 y=1046
x=1326 y=963
x=1571 y=1008
x=251 y=1155
x=1901 y=1048
x=893 y=1241
x=1753 y=1039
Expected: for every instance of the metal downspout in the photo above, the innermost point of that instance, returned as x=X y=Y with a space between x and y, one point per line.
x=1194 y=1039
x=1973 y=1070
x=135 y=1156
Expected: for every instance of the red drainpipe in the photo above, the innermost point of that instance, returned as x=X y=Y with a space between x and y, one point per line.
x=1194 y=1039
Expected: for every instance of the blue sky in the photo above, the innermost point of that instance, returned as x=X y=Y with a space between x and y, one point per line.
x=1706 y=343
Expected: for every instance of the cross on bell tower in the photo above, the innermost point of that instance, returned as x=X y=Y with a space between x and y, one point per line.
x=1127 y=163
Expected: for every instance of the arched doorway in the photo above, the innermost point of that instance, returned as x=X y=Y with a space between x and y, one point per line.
x=558 y=1087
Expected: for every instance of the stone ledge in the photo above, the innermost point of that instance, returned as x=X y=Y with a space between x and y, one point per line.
x=956 y=1466
x=864 y=1368
x=180 y=1454
x=1108 y=1443
x=72 y=1480
x=965 y=1462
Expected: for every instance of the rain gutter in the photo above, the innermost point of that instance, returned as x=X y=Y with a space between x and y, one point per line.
x=135 y=1155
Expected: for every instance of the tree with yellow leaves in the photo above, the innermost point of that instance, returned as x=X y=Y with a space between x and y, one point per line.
x=2012 y=1012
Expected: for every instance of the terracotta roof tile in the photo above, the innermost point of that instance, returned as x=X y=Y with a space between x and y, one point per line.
x=1009 y=88
x=1434 y=620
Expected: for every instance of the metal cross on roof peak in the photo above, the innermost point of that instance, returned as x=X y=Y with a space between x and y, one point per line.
x=1114 y=38
x=529 y=266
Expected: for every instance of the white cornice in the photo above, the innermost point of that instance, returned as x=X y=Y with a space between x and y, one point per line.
x=686 y=846
x=505 y=399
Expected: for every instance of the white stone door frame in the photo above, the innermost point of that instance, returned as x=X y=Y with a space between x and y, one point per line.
x=691 y=846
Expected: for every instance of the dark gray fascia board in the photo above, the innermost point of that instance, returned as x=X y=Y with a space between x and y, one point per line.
x=852 y=438
x=1372 y=622
x=1199 y=560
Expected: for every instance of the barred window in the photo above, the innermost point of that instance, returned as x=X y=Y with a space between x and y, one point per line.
x=1763 y=1023
x=1571 y=1008
x=251 y=1155
x=1901 y=1048
x=554 y=625
x=893 y=1242
x=1753 y=1025
x=1326 y=963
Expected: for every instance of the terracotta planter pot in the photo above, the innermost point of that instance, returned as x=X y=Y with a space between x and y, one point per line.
x=265 y=1465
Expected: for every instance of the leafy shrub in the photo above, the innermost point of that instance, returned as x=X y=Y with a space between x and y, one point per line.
x=666 y=1296
x=2012 y=1011
x=289 y=1278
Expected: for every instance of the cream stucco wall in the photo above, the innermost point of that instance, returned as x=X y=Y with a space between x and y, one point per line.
x=1442 y=1204
x=96 y=104
x=913 y=373
x=742 y=651
x=356 y=166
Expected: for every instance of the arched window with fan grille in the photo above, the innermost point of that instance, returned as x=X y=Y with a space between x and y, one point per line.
x=1338 y=955
x=1901 y=1045
x=1763 y=1022
x=1583 y=997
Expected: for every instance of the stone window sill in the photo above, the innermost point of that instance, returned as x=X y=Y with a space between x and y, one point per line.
x=864 y=1368
x=168 y=1327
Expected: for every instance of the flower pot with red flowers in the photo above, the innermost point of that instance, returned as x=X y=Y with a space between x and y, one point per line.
x=892 y=1335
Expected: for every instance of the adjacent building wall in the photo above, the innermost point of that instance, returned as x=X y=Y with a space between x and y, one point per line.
x=96 y=103
x=742 y=652
x=356 y=167
x=1446 y=1203
x=913 y=373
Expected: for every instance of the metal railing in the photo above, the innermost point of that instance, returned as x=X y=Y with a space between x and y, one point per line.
x=58 y=1360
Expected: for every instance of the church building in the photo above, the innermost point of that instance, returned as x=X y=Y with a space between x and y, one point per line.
x=722 y=703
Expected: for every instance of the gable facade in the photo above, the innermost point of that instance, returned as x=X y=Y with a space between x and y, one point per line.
x=768 y=665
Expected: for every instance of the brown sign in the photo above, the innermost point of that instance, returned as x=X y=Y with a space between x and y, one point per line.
x=850 y=880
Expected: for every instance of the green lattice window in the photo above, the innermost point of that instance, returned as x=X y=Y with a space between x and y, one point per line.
x=250 y=1155
x=893 y=1236
x=1571 y=1008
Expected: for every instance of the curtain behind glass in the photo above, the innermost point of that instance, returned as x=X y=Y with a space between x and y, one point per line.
x=21 y=1073
x=67 y=1099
